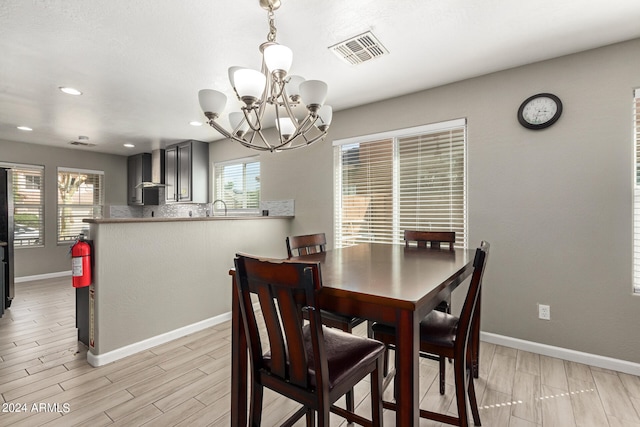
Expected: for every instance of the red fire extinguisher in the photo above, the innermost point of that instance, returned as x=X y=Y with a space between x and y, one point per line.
x=81 y=264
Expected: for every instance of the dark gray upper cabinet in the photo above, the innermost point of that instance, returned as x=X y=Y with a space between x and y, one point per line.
x=187 y=172
x=139 y=171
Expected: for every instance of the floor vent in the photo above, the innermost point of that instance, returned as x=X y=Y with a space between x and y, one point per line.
x=359 y=49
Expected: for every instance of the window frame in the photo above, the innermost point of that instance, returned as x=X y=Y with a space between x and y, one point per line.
x=218 y=191
x=97 y=209
x=17 y=206
x=392 y=227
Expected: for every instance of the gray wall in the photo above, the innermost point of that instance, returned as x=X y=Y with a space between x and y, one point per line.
x=53 y=258
x=555 y=204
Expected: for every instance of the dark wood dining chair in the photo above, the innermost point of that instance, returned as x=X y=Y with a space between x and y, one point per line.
x=436 y=240
x=312 y=244
x=450 y=336
x=306 y=245
x=306 y=361
x=432 y=240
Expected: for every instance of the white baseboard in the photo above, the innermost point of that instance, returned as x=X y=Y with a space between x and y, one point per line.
x=119 y=353
x=563 y=353
x=42 y=276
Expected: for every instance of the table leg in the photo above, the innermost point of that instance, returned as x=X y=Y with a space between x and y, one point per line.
x=238 y=364
x=407 y=373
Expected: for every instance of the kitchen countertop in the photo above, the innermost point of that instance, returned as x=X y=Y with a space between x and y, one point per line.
x=175 y=219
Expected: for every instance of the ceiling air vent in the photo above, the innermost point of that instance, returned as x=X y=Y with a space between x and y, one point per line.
x=82 y=142
x=359 y=49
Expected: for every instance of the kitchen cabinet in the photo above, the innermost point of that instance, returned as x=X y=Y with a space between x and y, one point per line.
x=187 y=172
x=139 y=171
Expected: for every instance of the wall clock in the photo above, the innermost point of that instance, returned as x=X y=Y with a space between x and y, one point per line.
x=540 y=111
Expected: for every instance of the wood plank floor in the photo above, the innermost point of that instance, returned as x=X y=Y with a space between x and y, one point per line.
x=45 y=379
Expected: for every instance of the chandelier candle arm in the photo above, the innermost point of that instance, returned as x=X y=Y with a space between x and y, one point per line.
x=272 y=88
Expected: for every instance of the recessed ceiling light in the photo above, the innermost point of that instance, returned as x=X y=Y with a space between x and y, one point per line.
x=129 y=145
x=195 y=123
x=25 y=128
x=70 y=90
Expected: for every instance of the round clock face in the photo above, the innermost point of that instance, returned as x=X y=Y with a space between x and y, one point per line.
x=540 y=111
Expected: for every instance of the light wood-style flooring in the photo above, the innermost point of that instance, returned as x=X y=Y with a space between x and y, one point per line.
x=45 y=379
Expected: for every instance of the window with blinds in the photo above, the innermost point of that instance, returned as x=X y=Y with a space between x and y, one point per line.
x=407 y=179
x=28 y=204
x=80 y=196
x=636 y=194
x=237 y=183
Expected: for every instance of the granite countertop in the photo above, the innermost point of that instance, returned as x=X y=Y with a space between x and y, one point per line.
x=174 y=219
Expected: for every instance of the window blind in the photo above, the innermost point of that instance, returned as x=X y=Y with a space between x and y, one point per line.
x=237 y=183
x=80 y=196
x=636 y=194
x=28 y=204
x=412 y=179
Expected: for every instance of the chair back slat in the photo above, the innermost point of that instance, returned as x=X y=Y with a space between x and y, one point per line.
x=306 y=245
x=282 y=289
x=434 y=238
x=473 y=294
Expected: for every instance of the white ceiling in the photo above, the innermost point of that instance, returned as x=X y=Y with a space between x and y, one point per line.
x=140 y=63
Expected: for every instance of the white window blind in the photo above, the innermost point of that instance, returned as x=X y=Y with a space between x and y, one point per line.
x=237 y=183
x=407 y=179
x=28 y=204
x=80 y=196
x=636 y=194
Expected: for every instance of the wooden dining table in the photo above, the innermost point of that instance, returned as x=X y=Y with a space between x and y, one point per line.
x=380 y=282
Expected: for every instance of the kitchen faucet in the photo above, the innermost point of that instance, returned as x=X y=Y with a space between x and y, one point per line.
x=214 y=202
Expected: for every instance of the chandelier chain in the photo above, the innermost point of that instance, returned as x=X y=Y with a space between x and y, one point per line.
x=272 y=26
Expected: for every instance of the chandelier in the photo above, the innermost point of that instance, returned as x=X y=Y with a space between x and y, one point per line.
x=271 y=87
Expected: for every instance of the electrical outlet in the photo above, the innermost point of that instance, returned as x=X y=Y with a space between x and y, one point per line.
x=544 y=312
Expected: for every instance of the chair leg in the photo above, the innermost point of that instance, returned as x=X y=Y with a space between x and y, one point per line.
x=256 y=405
x=386 y=361
x=311 y=419
x=323 y=417
x=395 y=379
x=350 y=401
x=461 y=392
x=473 y=402
x=442 y=373
x=376 y=395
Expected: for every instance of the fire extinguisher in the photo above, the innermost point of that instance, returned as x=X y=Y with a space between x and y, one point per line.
x=81 y=263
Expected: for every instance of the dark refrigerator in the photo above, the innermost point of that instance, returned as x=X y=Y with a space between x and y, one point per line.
x=7 y=287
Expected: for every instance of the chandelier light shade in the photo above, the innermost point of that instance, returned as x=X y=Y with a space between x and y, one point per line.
x=271 y=88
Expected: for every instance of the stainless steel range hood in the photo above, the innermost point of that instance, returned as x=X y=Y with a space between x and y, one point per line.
x=157 y=171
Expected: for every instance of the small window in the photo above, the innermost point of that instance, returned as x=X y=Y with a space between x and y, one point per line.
x=80 y=196
x=237 y=183
x=28 y=205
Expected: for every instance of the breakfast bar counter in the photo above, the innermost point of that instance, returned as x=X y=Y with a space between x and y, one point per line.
x=157 y=279
x=183 y=219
